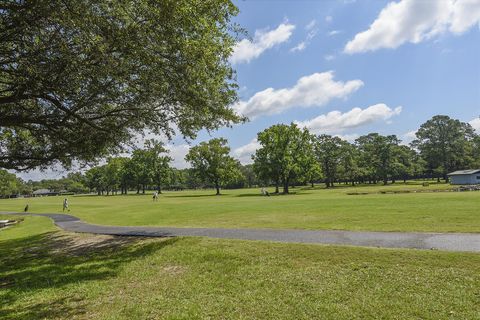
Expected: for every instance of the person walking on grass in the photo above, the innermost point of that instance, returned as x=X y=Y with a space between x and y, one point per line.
x=155 y=196
x=65 y=205
x=265 y=192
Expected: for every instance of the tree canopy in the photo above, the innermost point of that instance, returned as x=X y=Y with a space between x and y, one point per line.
x=446 y=144
x=79 y=78
x=286 y=152
x=212 y=163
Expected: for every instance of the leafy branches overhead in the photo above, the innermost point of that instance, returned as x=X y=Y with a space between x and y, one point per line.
x=78 y=78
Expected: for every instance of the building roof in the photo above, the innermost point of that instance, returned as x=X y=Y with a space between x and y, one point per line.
x=464 y=172
x=42 y=191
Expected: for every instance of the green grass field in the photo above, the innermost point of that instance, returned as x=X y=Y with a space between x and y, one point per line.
x=306 y=209
x=51 y=274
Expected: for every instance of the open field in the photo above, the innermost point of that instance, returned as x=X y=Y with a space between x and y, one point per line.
x=51 y=274
x=306 y=209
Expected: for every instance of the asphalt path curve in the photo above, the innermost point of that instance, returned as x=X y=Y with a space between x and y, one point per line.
x=468 y=242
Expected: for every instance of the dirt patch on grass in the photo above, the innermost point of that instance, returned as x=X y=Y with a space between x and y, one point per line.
x=174 y=269
x=79 y=244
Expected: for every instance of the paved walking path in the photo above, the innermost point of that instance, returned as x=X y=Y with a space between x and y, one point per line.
x=417 y=240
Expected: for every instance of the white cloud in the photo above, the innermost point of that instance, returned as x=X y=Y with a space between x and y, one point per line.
x=312 y=32
x=316 y=89
x=54 y=172
x=178 y=153
x=329 y=57
x=336 y=121
x=299 y=47
x=415 y=21
x=246 y=50
x=475 y=123
x=409 y=137
x=328 y=19
x=312 y=24
x=244 y=153
x=334 y=32
x=348 y=137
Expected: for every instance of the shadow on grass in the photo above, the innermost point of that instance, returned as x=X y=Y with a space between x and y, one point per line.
x=35 y=264
x=196 y=195
x=281 y=194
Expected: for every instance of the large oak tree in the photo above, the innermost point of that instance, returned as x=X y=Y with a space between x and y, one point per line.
x=79 y=78
x=286 y=153
x=445 y=144
x=212 y=163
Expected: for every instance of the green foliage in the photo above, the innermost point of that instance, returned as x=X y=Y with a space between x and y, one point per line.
x=446 y=144
x=378 y=155
x=213 y=164
x=286 y=153
x=249 y=174
x=158 y=163
x=329 y=152
x=9 y=184
x=79 y=78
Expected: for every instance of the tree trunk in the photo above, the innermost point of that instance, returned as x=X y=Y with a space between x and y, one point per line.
x=276 y=186
x=313 y=185
x=143 y=189
x=285 y=186
x=217 y=187
x=159 y=188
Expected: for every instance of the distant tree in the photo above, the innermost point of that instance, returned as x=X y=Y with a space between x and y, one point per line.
x=476 y=152
x=112 y=174
x=419 y=166
x=178 y=179
x=379 y=154
x=78 y=78
x=249 y=174
x=192 y=180
x=141 y=170
x=285 y=152
x=349 y=168
x=328 y=151
x=158 y=162
x=95 y=179
x=9 y=184
x=213 y=164
x=405 y=164
x=444 y=144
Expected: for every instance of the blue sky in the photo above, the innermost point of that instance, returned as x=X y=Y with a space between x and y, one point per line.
x=350 y=67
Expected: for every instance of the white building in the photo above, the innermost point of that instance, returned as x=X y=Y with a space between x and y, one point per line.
x=44 y=192
x=465 y=177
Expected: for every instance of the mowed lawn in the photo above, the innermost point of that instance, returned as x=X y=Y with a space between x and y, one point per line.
x=305 y=209
x=46 y=273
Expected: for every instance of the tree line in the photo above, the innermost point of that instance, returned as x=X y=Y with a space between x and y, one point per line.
x=287 y=156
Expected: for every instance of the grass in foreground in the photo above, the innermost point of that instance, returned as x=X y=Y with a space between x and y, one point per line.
x=55 y=275
x=306 y=209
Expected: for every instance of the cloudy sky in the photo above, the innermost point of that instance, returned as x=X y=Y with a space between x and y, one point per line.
x=349 y=67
